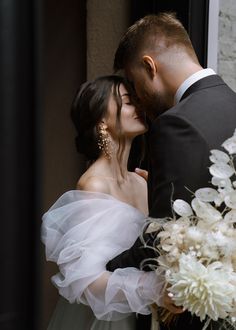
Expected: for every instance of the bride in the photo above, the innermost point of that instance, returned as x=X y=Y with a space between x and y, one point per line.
x=103 y=217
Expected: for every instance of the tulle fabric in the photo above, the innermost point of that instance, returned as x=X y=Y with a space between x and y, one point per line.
x=68 y=316
x=82 y=231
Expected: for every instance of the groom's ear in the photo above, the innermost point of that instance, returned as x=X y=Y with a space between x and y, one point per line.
x=149 y=65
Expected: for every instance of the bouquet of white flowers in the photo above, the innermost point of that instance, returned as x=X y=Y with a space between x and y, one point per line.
x=198 y=250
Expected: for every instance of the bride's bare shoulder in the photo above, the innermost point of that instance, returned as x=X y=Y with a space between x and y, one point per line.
x=93 y=183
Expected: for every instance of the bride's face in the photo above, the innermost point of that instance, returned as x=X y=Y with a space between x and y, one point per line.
x=132 y=122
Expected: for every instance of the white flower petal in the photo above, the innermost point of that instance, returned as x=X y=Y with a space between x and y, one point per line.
x=218 y=156
x=206 y=194
x=204 y=291
x=205 y=211
x=218 y=200
x=153 y=227
x=230 y=217
x=193 y=234
x=230 y=145
x=166 y=247
x=215 y=265
x=221 y=170
x=163 y=234
x=222 y=183
x=230 y=200
x=182 y=208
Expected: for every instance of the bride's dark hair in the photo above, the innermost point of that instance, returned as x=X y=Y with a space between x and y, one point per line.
x=89 y=107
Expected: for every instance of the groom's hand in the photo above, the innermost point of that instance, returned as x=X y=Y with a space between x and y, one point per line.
x=168 y=303
x=142 y=173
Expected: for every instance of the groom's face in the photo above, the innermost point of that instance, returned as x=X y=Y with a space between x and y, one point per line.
x=150 y=92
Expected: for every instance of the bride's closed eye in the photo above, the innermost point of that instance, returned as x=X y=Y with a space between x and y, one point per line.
x=126 y=99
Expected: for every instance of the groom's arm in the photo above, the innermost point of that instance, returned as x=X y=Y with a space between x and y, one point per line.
x=134 y=256
x=179 y=158
x=179 y=163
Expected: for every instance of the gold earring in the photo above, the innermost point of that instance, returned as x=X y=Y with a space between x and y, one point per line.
x=104 y=142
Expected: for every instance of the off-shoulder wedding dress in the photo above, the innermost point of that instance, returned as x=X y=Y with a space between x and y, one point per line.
x=82 y=231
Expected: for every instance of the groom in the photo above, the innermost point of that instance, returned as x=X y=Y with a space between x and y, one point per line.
x=192 y=111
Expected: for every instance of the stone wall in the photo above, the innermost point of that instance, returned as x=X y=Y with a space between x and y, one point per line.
x=227 y=42
x=107 y=20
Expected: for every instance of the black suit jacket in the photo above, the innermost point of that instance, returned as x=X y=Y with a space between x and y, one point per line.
x=179 y=144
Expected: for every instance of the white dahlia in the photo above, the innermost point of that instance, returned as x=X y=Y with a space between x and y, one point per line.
x=204 y=291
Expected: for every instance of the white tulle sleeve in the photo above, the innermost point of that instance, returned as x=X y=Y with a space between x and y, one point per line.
x=82 y=231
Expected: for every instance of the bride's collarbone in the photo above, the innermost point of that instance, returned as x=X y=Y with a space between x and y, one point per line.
x=128 y=191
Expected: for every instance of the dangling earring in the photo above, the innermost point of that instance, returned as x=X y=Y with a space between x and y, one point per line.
x=104 y=142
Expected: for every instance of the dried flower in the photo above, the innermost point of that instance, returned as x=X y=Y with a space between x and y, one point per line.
x=198 y=250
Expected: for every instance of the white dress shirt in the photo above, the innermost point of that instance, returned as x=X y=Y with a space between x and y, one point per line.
x=190 y=81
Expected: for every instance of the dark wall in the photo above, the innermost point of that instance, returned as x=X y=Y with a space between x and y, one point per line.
x=19 y=172
x=64 y=65
x=42 y=63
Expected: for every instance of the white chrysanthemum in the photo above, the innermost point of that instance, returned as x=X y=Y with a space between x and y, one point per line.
x=204 y=291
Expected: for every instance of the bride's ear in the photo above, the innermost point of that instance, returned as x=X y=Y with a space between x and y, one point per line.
x=150 y=65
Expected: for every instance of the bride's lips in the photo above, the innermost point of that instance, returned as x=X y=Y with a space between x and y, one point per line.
x=141 y=118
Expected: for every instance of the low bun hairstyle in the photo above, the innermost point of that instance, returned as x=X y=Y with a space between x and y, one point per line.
x=90 y=107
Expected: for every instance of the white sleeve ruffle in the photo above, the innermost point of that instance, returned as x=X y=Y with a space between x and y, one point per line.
x=82 y=231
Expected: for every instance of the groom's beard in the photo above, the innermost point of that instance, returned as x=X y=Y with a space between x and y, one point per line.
x=155 y=105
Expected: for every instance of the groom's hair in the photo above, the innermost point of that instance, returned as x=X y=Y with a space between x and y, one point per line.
x=159 y=32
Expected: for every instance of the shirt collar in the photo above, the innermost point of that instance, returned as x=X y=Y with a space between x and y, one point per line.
x=190 y=81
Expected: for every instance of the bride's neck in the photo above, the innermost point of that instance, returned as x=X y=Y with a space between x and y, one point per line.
x=114 y=167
